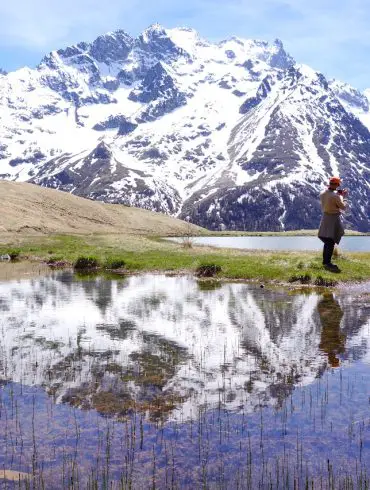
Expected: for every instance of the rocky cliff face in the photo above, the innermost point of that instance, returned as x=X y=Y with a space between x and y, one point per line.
x=235 y=135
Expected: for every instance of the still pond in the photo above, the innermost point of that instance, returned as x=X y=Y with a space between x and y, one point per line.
x=155 y=381
x=348 y=243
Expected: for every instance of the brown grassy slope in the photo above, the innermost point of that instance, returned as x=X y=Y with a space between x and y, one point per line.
x=31 y=209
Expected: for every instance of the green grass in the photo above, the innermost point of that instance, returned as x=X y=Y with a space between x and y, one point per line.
x=150 y=254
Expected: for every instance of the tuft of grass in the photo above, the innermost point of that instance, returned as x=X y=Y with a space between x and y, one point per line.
x=187 y=242
x=302 y=278
x=323 y=281
x=57 y=262
x=14 y=254
x=86 y=263
x=55 y=259
x=207 y=270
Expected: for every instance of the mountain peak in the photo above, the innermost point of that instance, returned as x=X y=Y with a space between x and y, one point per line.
x=153 y=31
x=187 y=39
x=52 y=60
x=113 y=46
x=117 y=36
x=118 y=33
x=349 y=95
x=159 y=41
x=280 y=58
x=109 y=47
x=278 y=43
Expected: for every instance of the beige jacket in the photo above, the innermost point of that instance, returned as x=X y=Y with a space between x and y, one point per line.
x=331 y=202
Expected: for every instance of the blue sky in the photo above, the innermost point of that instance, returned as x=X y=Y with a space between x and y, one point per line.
x=332 y=36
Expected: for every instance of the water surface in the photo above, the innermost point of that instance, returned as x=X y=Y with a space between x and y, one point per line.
x=348 y=243
x=166 y=382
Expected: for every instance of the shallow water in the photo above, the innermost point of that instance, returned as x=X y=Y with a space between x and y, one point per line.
x=166 y=382
x=348 y=243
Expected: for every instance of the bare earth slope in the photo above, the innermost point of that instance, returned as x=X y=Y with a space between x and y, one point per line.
x=30 y=208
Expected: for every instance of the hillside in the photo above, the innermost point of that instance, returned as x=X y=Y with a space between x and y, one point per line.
x=30 y=208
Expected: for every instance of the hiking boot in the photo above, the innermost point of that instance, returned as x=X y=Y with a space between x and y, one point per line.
x=332 y=268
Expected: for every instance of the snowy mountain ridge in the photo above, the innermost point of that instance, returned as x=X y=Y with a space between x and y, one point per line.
x=235 y=134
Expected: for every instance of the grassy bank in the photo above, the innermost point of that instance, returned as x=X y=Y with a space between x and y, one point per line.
x=137 y=253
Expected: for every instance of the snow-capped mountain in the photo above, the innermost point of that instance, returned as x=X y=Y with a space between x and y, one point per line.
x=235 y=134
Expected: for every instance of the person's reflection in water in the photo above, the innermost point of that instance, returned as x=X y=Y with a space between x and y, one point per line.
x=332 y=340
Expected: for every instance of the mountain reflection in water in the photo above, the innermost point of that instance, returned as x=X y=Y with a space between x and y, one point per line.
x=166 y=346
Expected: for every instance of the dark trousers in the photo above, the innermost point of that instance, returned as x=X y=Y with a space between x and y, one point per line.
x=328 y=250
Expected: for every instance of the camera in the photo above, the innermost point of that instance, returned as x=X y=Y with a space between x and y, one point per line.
x=341 y=191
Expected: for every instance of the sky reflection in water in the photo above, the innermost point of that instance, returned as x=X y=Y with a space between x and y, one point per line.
x=191 y=384
x=348 y=243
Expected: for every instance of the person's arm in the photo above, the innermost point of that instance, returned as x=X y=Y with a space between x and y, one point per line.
x=340 y=203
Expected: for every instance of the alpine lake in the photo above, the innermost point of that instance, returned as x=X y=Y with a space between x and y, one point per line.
x=354 y=243
x=169 y=382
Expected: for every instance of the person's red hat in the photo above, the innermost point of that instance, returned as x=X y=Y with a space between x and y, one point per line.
x=334 y=180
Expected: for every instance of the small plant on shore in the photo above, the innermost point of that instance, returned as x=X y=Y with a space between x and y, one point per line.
x=114 y=263
x=302 y=278
x=322 y=281
x=57 y=261
x=14 y=255
x=54 y=259
x=187 y=239
x=187 y=242
x=86 y=263
x=207 y=270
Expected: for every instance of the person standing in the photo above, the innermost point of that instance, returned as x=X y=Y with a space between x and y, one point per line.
x=331 y=230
